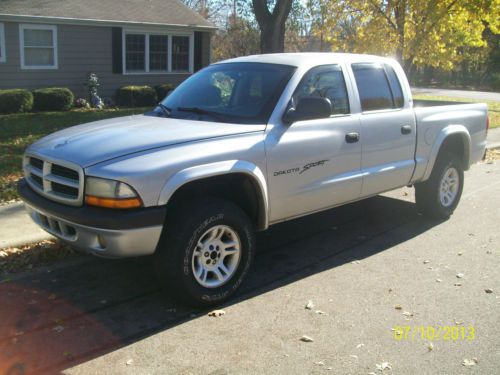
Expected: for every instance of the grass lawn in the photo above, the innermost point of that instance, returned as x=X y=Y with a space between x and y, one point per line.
x=493 y=107
x=19 y=130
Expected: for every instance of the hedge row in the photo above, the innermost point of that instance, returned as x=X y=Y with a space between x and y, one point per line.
x=51 y=99
x=62 y=99
x=18 y=100
x=142 y=96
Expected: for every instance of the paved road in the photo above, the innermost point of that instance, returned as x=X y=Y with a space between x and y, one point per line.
x=479 y=95
x=356 y=263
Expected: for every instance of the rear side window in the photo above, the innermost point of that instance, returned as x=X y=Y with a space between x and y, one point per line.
x=325 y=81
x=373 y=87
x=397 y=93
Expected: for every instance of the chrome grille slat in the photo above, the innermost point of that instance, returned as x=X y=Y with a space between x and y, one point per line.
x=59 y=181
x=62 y=180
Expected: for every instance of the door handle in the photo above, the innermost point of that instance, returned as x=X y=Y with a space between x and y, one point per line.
x=406 y=129
x=352 y=137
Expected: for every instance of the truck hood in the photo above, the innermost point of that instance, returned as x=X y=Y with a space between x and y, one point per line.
x=99 y=141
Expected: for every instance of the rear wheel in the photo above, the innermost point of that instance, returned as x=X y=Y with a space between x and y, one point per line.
x=439 y=195
x=205 y=252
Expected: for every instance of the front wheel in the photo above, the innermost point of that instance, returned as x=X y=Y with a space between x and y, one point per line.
x=439 y=195
x=205 y=252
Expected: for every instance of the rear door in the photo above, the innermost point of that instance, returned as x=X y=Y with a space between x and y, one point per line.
x=388 y=129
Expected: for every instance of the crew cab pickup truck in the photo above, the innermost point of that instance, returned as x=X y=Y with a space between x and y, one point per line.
x=241 y=145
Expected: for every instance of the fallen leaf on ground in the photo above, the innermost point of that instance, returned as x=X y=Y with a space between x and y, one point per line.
x=216 y=313
x=458 y=322
x=355 y=262
x=306 y=339
x=309 y=305
x=460 y=253
x=426 y=261
x=319 y=312
x=360 y=345
x=488 y=290
x=129 y=362
x=430 y=346
x=460 y=275
x=469 y=362
x=354 y=356
x=407 y=313
x=58 y=329
x=438 y=280
x=398 y=307
x=383 y=366
x=319 y=363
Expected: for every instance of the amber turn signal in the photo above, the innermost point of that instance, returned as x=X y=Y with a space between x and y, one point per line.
x=113 y=202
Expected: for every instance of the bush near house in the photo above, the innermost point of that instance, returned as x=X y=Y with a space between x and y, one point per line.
x=163 y=90
x=53 y=99
x=17 y=100
x=136 y=96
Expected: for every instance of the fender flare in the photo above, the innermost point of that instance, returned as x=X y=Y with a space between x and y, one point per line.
x=443 y=135
x=198 y=172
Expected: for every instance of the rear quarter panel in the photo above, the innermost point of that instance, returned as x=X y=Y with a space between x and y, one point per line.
x=435 y=124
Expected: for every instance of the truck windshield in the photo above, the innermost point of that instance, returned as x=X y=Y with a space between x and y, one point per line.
x=231 y=92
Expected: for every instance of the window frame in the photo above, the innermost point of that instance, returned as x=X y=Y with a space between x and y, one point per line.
x=3 y=55
x=382 y=65
x=55 y=54
x=147 y=33
x=344 y=72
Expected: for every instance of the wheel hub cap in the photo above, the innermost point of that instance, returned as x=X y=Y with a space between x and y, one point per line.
x=216 y=256
x=449 y=187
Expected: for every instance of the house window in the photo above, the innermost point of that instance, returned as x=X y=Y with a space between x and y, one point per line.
x=38 y=46
x=2 y=43
x=135 y=46
x=156 y=53
x=180 y=53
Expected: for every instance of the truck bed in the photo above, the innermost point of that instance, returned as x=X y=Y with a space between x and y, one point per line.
x=419 y=103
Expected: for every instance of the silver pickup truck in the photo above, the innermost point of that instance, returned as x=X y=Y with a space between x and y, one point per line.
x=239 y=146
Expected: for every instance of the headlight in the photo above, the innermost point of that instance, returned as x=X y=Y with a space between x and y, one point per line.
x=110 y=194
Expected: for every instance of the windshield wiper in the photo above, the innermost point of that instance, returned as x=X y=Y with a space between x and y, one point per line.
x=165 y=109
x=201 y=111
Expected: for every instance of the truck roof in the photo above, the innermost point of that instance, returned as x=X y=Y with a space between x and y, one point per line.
x=308 y=58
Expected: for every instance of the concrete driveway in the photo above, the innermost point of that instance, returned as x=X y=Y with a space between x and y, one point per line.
x=356 y=263
x=478 y=95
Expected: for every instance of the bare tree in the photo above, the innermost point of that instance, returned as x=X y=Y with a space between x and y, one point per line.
x=272 y=24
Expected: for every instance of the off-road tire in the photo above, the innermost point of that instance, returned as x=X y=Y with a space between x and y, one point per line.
x=428 y=194
x=174 y=255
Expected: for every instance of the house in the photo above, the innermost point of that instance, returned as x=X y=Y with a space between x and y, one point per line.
x=57 y=43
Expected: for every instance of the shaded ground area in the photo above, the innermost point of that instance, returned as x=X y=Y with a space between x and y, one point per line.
x=356 y=263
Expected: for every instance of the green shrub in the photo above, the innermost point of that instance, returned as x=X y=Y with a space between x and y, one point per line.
x=163 y=90
x=12 y=101
x=53 y=99
x=136 y=96
x=495 y=81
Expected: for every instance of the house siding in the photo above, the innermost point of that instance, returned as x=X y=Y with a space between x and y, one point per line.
x=81 y=50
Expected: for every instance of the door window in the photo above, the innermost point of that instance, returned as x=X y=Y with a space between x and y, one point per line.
x=326 y=81
x=373 y=87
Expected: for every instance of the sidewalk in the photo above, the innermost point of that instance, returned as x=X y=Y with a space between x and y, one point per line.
x=17 y=229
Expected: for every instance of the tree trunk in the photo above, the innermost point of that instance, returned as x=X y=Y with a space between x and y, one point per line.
x=272 y=25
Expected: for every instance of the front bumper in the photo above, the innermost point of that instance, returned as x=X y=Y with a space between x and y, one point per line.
x=103 y=232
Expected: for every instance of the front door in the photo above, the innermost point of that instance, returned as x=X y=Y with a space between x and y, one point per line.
x=315 y=164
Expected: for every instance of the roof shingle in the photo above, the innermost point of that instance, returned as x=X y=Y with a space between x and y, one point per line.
x=164 y=12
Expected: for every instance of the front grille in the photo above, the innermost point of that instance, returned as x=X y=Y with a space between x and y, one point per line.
x=59 y=181
x=59 y=170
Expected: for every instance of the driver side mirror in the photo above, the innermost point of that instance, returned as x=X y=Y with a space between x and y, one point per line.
x=308 y=108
